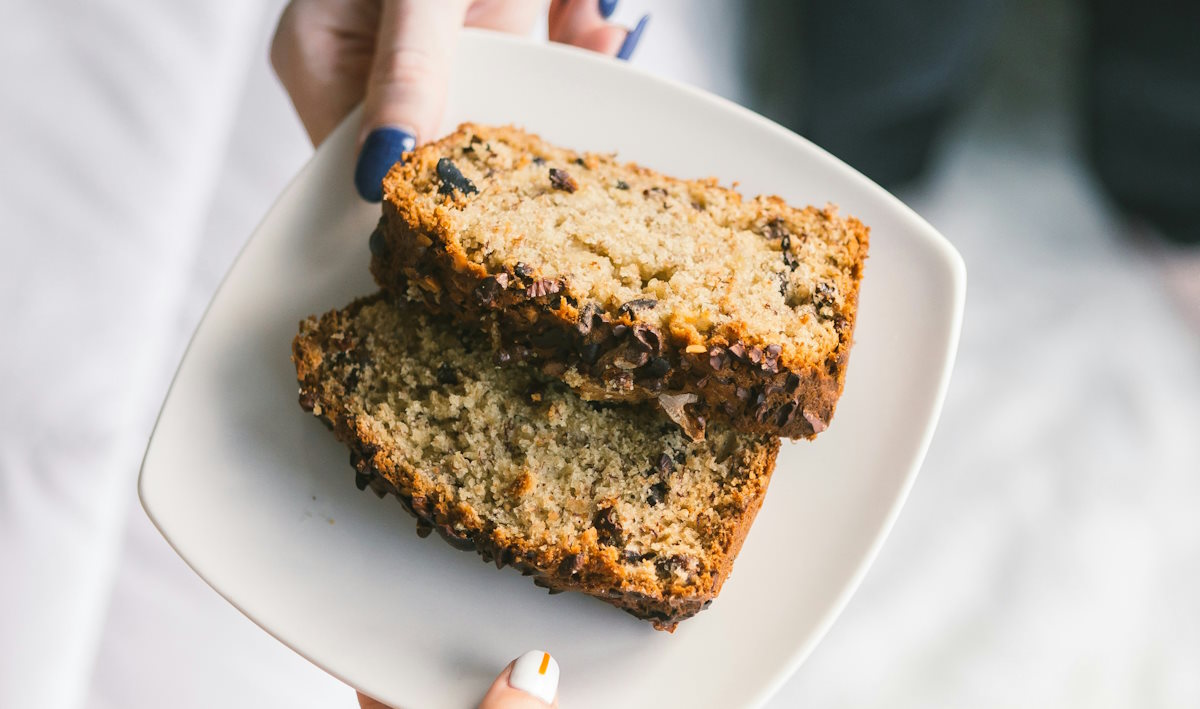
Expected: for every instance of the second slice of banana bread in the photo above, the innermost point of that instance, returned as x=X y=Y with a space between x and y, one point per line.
x=628 y=284
x=613 y=501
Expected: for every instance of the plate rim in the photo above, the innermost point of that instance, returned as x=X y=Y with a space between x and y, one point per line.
x=947 y=258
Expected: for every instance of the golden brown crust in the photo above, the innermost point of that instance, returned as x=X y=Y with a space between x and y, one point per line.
x=729 y=373
x=588 y=566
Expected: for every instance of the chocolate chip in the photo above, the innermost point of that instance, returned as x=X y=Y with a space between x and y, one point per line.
x=361 y=480
x=654 y=369
x=633 y=557
x=378 y=243
x=490 y=288
x=792 y=383
x=561 y=180
x=717 y=359
x=776 y=229
x=622 y=185
x=742 y=393
x=539 y=160
x=619 y=331
x=754 y=354
x=815 y=421
x=824 y=298
x=543 y=286
x=773 y=351
x=636 y=306
x=647 y=338
x=424 y=528
x=446 y=374
x=307 y=400
x=580 y=162
x=522 y=270
x=738 y=350
x=658 y=191
x=658 y=493
x=665 y=464
x=785 y=414
x=587 y=319
x=570 y=565
x=504 y=557
x=684 y=562
x=455 y=539
x=608 y=529
x=590 y=352
x=453 y=179
x=785 y=247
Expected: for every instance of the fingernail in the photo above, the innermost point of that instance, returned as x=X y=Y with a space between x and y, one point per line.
x=382 y=149
x=535 y=673
x=607 y=8
x=631 y=39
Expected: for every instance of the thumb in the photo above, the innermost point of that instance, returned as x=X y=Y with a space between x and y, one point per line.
x=406 y=88
x=529 y=682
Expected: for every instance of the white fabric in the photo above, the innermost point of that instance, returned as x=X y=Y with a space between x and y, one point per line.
x=1047 y=556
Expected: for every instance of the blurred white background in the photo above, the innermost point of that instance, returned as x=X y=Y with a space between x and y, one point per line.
x=1049 y=555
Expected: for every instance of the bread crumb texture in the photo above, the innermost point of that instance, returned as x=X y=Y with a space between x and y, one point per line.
x=588 y=238
x=611 y=500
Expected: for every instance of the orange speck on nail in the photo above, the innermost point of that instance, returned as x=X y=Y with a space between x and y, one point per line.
x=545 y=663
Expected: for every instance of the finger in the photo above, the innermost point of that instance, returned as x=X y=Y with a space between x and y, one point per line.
x=322 y=57
x=529 y=682
x=365 y=702
x=582 y=23
x=406 y=89
x=512 y=16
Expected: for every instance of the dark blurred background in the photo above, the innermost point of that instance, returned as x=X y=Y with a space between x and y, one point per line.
x=878 y=84
x=1049 y=554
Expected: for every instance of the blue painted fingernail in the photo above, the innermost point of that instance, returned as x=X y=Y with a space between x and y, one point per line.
x=382 y=149
x=607 y=8
x=631 y=39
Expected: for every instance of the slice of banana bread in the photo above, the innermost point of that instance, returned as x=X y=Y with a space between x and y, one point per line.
x=627 y=284
x=611 y=501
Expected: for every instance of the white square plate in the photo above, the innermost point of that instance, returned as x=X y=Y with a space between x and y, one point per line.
x=259 y=499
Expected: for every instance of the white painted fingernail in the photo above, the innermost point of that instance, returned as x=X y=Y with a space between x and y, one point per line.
x=536 y=673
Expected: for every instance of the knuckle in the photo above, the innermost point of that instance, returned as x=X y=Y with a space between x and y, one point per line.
x=407 y=67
